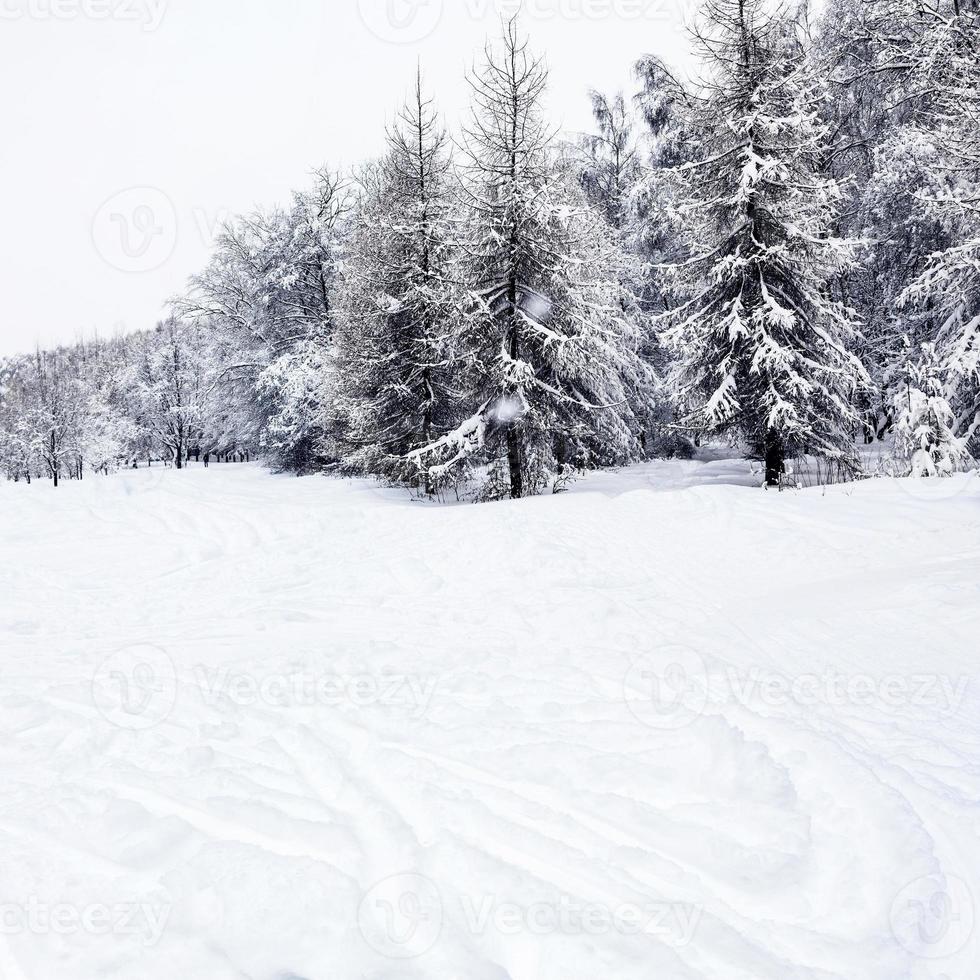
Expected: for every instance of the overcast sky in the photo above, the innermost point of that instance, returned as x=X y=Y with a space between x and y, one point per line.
x=131 y=127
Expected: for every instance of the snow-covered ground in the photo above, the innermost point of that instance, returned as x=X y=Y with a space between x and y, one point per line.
x=664 y=726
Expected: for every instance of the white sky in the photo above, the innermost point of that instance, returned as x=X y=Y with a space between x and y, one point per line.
x=211 y=107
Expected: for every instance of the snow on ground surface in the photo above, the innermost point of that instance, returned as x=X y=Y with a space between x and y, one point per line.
x=666 y=726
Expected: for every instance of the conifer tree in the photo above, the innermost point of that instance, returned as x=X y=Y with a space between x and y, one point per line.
x=762 y=348
x=399 y=302
x=938 y=53
x=548 y=356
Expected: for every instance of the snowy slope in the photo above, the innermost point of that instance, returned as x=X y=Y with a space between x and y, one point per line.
x=665 y=726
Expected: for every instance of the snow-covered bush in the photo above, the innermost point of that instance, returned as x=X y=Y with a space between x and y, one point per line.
x=925 y=437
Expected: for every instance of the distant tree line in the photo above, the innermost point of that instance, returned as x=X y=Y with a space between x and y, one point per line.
x=785 y=253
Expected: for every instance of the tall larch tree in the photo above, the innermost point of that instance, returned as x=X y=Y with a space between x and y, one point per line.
x=546 y=353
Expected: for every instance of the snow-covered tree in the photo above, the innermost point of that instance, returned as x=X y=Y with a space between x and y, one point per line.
x=664 y=107
x=761 y=346
x=656 y=234
x=399 y=304
x=938 y=52
x=17 y=456
x=167 y=378
x=546 y=353
x=609 y=163
x=874 y=110
x=269 y=288
x=925 y=437
x=47 y=428
x=609 y=166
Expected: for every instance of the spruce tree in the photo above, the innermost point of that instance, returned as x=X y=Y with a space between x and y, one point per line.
x=762 y=348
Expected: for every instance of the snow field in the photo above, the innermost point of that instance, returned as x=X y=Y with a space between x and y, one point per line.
x=662 y=726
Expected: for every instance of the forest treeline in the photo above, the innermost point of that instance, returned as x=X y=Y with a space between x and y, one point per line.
x=784 y=252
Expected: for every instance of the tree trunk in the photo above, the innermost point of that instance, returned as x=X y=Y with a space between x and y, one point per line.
x=561 y=453
x=514 y=463
x=775 y=459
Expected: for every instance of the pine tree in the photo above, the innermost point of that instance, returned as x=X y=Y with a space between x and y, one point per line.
x=762 y=347
x=399 y=302
x=548 y=357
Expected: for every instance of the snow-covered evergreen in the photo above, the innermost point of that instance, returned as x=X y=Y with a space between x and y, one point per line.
x=400 y=304
x=925 y=437
x=761 y=347
x=923 y=219
x=948 y=289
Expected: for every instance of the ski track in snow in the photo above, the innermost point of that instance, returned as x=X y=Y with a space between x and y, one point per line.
x=497 y=763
